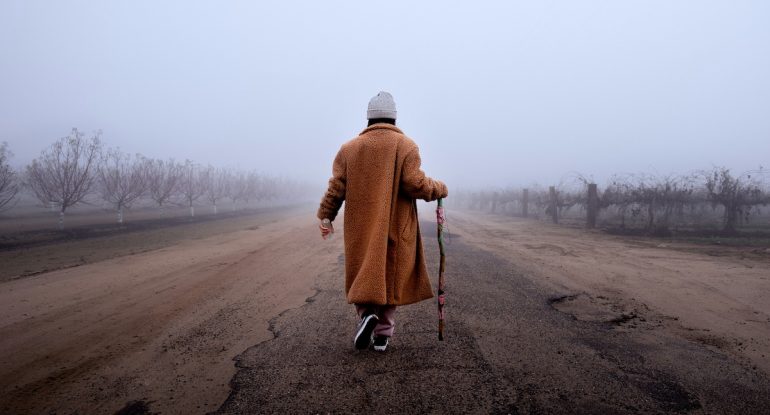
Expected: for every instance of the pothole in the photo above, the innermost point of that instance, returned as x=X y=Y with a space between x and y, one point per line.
x=584 y=307
x=671 y=396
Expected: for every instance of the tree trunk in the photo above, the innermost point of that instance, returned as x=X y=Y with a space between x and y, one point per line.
x=61 y=219
x=593 y=205
x=623 y=217
x=553 y=205
x=731 y=216
x=650 y=214
x=525 y=203
x=120 y=214
x=192 y=211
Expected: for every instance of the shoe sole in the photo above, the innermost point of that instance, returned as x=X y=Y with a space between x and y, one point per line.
x=364 y=335
x=380 y=348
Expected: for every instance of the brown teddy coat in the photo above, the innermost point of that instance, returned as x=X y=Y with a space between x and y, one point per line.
x=378 y=176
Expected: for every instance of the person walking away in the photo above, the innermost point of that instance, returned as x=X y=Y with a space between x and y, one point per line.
x=378 y=177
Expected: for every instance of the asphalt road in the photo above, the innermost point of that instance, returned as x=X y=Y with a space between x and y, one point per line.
x=508 y=349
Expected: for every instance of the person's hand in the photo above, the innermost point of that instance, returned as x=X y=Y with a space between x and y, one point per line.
x=444 y=191
x=326 y=229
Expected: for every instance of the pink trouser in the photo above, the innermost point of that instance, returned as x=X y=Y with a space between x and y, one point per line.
x=386 y=315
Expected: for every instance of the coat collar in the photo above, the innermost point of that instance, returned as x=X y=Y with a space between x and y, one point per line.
x=380 y=126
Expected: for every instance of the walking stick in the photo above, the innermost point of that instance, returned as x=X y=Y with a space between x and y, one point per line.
x=440 y=220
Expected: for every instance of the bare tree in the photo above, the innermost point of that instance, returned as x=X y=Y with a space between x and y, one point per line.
x=249 y=187
x=675 y=194
x=620 y=193
x=661 y=200
x=164 y=179
x=268 y=188
x=64 y=173
x=9 y=184
x=191 y=185
x=736 y=194
x=215 y=185
x=122 y=179
x=238 y=188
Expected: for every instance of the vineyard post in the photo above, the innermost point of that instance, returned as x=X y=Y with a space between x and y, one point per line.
x=553 y=206
x=592 y=205
x=524 y=203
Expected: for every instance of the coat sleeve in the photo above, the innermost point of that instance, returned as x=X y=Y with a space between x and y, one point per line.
x=416 y=184
x=335 y=194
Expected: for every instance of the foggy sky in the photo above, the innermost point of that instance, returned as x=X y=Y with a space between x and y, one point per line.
x=494 y=93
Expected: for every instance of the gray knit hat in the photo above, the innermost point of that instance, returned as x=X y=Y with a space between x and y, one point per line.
x=381 y=106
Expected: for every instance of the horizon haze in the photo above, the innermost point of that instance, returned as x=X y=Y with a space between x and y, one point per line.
x=495 y=94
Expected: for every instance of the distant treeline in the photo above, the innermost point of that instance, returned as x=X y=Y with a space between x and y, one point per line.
x=715 y=198
x=76 y=168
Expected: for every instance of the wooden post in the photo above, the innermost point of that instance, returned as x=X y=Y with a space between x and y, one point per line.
x=525 y=203
x=593 y=205
x=494 y=201
x=553 y=206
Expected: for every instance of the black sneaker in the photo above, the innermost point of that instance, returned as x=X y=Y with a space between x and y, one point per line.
x=365 y=331
x=380 y=343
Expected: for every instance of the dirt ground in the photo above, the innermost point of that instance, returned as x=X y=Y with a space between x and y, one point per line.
x=541 y=319
x=711 y=294
x=160 y=326
x=30 y=216
x=30 y=251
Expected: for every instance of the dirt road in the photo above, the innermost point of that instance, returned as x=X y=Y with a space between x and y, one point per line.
x=160 y=326
x=710 y=294
x=514 y=345
x=541 y=319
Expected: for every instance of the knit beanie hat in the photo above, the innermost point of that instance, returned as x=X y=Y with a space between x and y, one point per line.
x=381 y=106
